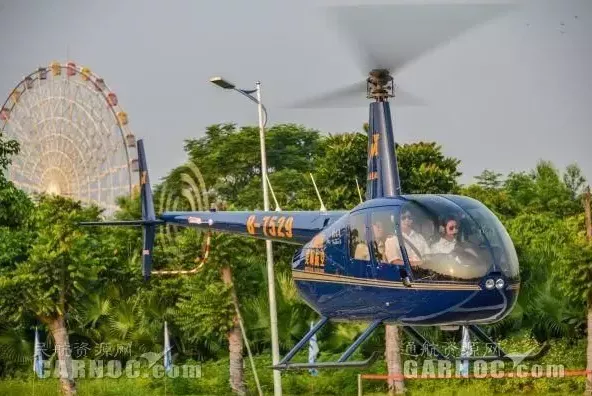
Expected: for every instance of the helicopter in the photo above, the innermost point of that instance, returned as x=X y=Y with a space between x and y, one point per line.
x=376 y=263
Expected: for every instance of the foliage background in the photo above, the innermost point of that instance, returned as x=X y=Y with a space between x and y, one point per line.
x=107 y=304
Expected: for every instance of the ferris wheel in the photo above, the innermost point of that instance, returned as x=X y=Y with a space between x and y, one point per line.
x=73 y=135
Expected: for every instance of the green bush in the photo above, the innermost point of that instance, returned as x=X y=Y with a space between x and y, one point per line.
x=214 y=379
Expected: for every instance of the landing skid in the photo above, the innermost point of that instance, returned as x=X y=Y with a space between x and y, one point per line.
x=500 y=354
x=286 y=364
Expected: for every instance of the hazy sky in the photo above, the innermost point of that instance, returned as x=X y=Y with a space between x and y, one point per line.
x=501 y=96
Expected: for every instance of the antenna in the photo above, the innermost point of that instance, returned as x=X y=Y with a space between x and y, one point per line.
x=277 y=205
x=359 y=192
x=323 y=209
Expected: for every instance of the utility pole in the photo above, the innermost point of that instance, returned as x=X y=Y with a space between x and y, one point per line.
x=586 y=202
x=587 y=214
x=275 y=350
x=275 y=345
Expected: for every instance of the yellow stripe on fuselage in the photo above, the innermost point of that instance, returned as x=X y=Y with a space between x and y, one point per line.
x=350 y=280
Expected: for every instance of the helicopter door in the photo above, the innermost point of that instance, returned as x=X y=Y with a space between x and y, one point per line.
x=382 y=227
x=358 y=246
x=336 y=256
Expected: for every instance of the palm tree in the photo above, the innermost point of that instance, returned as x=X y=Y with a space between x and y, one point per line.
x=396 y=384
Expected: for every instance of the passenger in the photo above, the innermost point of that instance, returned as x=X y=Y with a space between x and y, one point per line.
x=361 y=251
x=379 y=239
x=415 y=244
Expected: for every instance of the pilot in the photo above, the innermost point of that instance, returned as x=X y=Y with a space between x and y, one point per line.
x=448 y=232
x=415 y=244
x=448 y=243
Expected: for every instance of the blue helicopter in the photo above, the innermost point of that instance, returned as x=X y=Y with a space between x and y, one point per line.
x=391 y=259
x=411 y=260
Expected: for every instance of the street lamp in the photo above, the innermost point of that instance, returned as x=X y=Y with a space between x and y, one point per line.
x=222 y=83
x=275 y=349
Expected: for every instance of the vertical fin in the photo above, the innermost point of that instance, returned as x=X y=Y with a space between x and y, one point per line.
x=145 y=189
x=148 y=214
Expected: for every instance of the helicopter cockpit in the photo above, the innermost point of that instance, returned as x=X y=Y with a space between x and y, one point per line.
x=444 y=238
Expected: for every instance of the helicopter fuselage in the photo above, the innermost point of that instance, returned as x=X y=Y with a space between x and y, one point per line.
x=341 y=286
x=442 y=289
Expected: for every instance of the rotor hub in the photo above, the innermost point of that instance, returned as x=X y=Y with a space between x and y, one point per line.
x=380 y=85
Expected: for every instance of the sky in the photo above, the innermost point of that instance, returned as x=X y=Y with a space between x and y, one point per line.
x=500 y=96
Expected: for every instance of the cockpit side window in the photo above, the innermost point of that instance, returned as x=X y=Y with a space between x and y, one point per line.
x=382 y=230
x=358 y=239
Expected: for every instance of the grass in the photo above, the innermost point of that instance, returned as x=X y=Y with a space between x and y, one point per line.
x=214 y=381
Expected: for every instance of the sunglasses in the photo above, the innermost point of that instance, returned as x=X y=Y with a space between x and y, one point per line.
x=452 y=228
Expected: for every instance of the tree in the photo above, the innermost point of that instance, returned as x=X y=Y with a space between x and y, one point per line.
x=489 y=180
x=15 y=234
x=544 y=244
x=230 y=158
x=207 y=307
x=62 y=266
x=341 y=161
x=542 y=190
x=574 y=180
x=14 y=203
x=8 y=148
x=576 y=281
x=424 y=169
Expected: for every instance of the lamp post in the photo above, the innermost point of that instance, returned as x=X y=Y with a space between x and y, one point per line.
x=219 y=81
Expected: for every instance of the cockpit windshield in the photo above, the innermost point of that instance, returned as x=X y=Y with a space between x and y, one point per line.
x=498 y=238
x=444 y=238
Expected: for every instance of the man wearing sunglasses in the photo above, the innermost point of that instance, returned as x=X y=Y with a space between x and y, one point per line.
x=415 y=244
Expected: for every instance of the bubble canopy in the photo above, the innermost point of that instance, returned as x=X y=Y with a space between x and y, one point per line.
x=444 y=237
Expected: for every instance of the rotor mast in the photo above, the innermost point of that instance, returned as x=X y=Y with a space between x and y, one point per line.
x=383 y=173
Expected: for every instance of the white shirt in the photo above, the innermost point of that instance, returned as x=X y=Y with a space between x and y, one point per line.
x=443 y=246
x=393 y=250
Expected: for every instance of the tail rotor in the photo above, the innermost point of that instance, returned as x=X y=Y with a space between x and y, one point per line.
x=149 y=221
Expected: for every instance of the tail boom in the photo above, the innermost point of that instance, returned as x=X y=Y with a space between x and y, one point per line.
x=294 y=227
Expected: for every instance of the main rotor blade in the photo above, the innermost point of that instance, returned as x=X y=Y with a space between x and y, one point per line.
x=391 y=36
x=354 y=95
